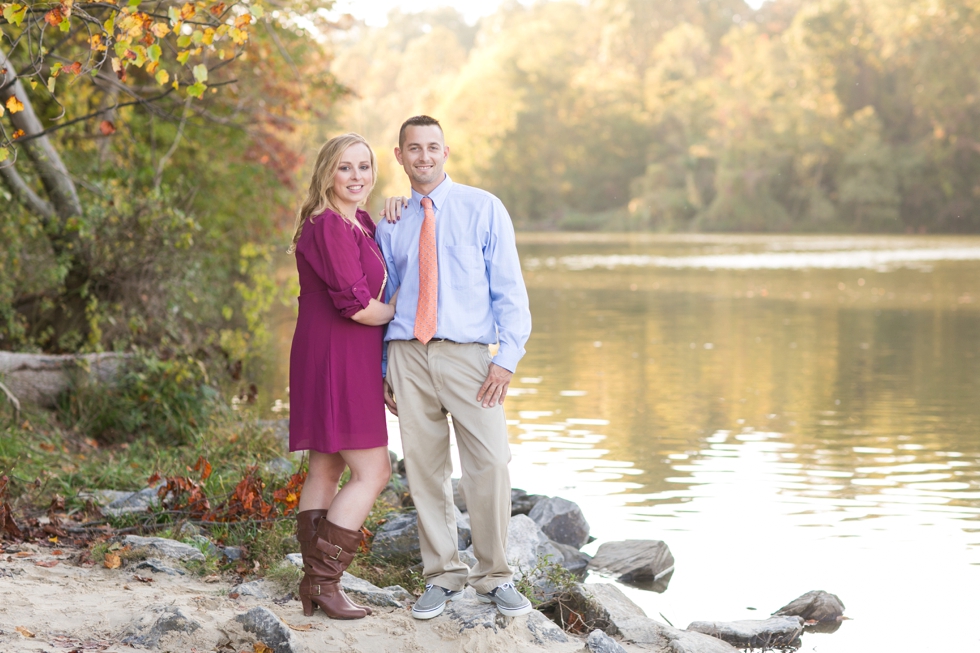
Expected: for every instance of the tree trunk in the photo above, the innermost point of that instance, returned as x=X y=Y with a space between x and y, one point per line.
x=62 y=198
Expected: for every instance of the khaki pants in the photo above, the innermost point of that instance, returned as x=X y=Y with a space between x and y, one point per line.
x=430 y=381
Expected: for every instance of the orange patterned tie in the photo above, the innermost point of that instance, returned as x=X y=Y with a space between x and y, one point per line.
x=425 y=313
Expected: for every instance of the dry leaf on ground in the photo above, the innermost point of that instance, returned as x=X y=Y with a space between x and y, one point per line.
x=46 y=563
x=112 y=561
x=300 y=627
x=259 y=647
x=24 y=632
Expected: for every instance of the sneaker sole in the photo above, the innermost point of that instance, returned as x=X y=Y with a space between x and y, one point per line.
x=434 y=612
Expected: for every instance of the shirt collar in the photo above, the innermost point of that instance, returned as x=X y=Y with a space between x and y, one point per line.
x=438 y=194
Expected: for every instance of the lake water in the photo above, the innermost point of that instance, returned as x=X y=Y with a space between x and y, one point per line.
x=786 y=413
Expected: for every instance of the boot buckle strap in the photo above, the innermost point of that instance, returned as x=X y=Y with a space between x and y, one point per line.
x=336 y=556
x=317 y=592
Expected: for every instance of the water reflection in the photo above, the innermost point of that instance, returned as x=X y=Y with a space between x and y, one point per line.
x=783 y=427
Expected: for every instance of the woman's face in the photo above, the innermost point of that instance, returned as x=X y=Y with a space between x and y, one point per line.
x=354 y=176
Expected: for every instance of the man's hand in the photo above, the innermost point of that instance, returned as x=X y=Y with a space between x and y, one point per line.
x=392 y=212
x=494 y=389
x=390 y=400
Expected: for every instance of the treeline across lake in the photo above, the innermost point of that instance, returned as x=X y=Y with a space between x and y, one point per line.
x=675 y=115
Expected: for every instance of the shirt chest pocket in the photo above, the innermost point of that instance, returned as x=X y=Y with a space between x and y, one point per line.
x=466 y=267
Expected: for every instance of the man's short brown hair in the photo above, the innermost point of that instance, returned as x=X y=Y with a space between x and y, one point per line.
x=416 y=121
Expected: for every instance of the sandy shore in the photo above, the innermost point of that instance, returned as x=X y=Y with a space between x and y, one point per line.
x=68 y=607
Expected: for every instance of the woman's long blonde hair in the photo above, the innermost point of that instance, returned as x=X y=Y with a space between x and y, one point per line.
x=321 y=195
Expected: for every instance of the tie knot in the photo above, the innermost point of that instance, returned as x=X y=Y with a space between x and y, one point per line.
x=426 y=203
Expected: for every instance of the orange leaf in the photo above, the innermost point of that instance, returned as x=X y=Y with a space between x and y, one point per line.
x=217 y=8
x=259 y=647
x=75 y=68
x=46 y=563
x=24 y=632
x=54 y=17
x=187 y=11
x=112 y=561
x=47 y=447
x=14 y=105
x=17 y=134
x=153 y=479
x=202 y=465
x=24 y=554
x=106 y=128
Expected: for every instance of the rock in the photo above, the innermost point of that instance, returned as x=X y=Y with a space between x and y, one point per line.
x=158 y=566
x=232 y=552
x=775 y=632
x=526 y=544
x=816 y=605
x=270 y=630
x=634 y=561
x=160 y=621
x=463 y=534
x=467 y=558
x=561 y=520
x=392 y=459
x=544 y=629
x=600 y=642
x=572 y=559
x=458 y=497
x=401 y=594
x=133 y=502
x=279 y=467
x=521 y=502
x=364 y=592
x=260 y=589
x=40 y=378
x=295 y=558
x=467 y=612
x=164 y=547
x=605 y=607
x=103 y=497
x=399 y=536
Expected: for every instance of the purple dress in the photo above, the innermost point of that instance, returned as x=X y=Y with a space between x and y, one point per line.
x=336 y=397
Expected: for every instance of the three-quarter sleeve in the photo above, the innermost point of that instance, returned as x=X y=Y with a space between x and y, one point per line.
x=340 y=263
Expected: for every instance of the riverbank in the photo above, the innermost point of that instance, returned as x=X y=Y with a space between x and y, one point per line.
x=57 y=600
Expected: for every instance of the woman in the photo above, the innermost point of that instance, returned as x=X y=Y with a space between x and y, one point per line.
x=336 y=396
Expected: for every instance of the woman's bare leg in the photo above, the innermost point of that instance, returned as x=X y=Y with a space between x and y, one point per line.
x=370 y=470
x=321 y=481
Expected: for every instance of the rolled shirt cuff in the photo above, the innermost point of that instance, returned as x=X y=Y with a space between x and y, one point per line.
x=351 y=300
x=508 y=358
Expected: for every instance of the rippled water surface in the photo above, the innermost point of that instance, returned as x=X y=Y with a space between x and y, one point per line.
x=787 y=413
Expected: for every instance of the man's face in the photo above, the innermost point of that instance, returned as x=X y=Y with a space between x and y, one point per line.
x=423 y=156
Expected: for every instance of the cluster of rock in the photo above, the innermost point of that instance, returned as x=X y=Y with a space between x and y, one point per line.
x=542 y=528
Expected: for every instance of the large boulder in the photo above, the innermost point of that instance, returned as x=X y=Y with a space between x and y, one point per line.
x=572 y=559
x=775 y=632
x=634 y=561
x=561 y=520
x=814 y=606
x=40 y=378
x=526 y=545
x=600 y=642
x=399 y=535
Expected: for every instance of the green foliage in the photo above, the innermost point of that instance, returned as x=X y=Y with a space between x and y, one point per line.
x=546 y=583
x=832 y=115
x=166 y=401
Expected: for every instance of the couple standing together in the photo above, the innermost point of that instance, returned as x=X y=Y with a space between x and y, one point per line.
x=442 y=273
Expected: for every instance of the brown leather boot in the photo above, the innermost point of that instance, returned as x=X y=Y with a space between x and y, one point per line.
x=332 y=552
x=306 y=525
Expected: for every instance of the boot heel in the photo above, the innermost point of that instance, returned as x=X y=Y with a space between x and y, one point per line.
x=308 y=606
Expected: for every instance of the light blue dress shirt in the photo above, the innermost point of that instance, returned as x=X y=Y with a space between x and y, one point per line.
x=482 y=297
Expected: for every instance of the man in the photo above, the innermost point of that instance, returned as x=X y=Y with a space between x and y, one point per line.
x=453 y=260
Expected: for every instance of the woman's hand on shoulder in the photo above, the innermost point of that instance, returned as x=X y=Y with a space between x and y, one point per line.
x=392 y=212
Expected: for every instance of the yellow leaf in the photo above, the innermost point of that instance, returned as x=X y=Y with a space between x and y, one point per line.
x=4 y=153
x=162 y=77
x=259 y=647
x=14 y=105
x=24 y=632
x=112 y=561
